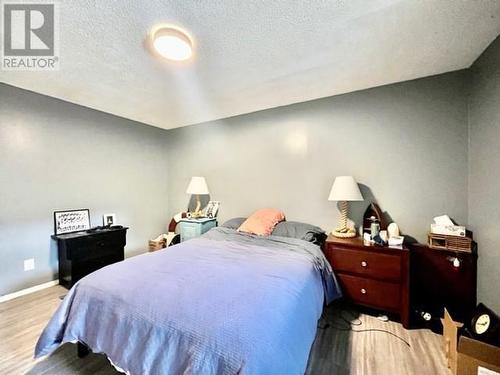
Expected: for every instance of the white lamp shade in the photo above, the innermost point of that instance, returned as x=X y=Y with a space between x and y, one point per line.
x=345 y=188
x=197 y=185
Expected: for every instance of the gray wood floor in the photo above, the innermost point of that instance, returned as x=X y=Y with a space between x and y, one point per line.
x=335 y=350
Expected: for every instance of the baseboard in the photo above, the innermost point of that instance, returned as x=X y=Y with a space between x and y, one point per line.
x=36 y=288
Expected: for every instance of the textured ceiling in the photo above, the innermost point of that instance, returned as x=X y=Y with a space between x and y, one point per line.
x=252 y=55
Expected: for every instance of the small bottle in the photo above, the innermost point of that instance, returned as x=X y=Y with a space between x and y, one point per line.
x=374 y=227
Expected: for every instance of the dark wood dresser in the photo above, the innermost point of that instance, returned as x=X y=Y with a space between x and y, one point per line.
x=372 y=276
x=436 y=283
x=82 y=253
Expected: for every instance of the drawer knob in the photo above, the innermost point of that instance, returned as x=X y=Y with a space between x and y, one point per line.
x=363 y=264
x=454 y=261
x=363 y=291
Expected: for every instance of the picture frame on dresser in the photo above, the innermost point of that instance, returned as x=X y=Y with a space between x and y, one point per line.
x=108 y=220
x=71 y=221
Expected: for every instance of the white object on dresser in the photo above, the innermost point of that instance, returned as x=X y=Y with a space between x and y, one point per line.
x=393 y=230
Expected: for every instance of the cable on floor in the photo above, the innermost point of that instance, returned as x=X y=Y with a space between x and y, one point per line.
x=350 y=323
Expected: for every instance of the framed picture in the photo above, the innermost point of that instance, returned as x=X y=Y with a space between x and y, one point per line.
x=212 y=208
x=71 y=221
x=108 y=220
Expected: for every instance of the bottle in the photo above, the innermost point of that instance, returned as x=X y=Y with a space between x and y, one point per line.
x=374 y=227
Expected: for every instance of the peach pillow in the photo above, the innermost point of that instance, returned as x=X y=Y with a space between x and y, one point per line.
x=262 y=222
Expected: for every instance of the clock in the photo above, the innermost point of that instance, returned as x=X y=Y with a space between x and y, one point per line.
x=482 y=324
x=485 y=325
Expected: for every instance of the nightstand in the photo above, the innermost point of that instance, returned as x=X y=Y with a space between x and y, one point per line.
x=437 y=283
x=372 y=276
x=191 y=228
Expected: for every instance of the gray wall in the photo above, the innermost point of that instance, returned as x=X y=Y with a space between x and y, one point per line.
x=484 y=171
x=406 y=143
x=55 y=155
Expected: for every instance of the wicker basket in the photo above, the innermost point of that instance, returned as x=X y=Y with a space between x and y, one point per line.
x=455 y=243
x=157 y=245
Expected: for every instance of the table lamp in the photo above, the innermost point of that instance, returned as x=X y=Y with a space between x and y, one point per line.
x=344 y=189
x=197 y=186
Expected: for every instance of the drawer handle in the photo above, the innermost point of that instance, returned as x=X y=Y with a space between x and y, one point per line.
x=363 y=291
x=454 y=261
x=363 y=264
x=101 y=244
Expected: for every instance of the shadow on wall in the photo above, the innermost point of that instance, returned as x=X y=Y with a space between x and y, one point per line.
x=54 y=258
x=357 y=210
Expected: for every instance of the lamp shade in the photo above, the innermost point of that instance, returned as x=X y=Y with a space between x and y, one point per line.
x=197 y=185
x=345 y=188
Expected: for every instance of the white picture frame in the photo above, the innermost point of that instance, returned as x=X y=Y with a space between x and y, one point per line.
x=108 y=220
x=211 y=209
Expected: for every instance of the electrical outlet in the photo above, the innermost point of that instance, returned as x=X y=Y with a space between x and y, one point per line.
x=29 y=264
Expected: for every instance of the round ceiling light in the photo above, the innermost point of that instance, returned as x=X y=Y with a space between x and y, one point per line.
x=172 y=43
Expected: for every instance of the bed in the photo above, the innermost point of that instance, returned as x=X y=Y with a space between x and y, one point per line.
x=223 y=303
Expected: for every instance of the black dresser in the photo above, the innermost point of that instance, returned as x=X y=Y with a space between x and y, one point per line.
x=82 y=253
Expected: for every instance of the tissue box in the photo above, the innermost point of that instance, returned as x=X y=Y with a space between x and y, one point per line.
x=453 y=243
x=449 y=230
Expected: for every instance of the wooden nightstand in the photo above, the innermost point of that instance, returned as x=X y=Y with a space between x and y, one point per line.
x=437 y=283
x=191 y=228
x=373 y=276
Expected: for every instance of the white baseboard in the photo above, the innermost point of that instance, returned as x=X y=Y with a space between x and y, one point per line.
x=36 y=288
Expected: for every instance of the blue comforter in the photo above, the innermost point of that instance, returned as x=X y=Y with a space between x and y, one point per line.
x=224 y=303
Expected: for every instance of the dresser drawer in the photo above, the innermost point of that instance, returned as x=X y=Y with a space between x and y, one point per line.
x=96 y=246
x=191 y=228
x=374 y=293
x=189 y=231
x=379 y=266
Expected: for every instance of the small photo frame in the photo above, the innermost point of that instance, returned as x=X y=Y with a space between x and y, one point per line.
x=108 y=220
x=71 y=221
x=211 y=209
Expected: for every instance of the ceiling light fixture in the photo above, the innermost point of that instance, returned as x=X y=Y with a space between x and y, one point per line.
x=172 y=43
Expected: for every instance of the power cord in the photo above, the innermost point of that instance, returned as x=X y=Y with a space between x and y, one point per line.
x=350 y=323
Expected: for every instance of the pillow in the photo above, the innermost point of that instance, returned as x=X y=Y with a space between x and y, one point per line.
x=262 y=222
x=301 y=231
x=234 y=223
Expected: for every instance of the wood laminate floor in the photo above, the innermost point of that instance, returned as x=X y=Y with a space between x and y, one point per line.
x=336 y=349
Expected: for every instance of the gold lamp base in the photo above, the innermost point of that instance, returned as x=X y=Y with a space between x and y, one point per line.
x=350 y=233
x=197 y=212
x=343 y=231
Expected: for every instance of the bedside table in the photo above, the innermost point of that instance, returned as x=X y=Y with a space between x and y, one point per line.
x=191 y=228
x=436 y=283
x=372 y=276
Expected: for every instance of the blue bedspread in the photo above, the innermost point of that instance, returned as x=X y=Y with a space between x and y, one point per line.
x=224 y=303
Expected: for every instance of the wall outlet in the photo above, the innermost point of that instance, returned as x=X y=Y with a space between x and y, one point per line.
x=29 y=264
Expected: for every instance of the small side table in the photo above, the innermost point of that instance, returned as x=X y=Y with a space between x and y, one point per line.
x=191 y=228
